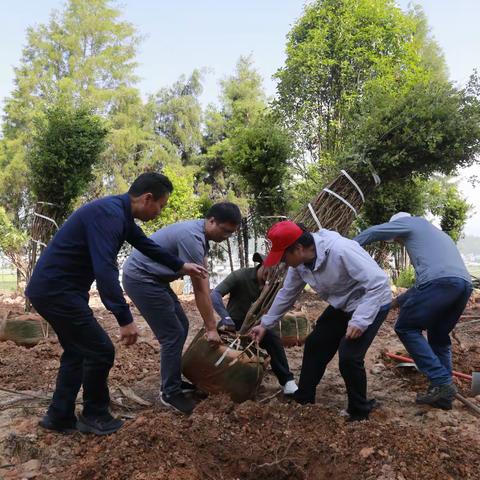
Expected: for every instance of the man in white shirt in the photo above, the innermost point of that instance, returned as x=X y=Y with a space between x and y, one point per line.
x=358 y=291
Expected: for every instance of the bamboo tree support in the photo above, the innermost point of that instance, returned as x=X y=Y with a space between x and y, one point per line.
x=334 y=208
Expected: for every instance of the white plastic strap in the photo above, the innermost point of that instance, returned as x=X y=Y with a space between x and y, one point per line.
x=314 y=215
x=354 y=183
x=235 y=360
x=375 y=176
x=38 y=242
x=47 y=218
x=342 y=200
x=230 y=347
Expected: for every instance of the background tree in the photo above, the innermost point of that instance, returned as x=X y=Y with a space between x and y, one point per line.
x=340 y=55
x=85 y=55
x=66 y=145
x=178 y=115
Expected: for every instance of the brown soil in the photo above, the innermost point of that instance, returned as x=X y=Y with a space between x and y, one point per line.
x=269 y=439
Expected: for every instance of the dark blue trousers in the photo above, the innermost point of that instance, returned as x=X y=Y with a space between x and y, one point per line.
x=434 y=307
x=88 y=355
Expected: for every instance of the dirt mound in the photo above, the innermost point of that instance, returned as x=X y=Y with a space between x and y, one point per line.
x=275 y=441
x=265 y=439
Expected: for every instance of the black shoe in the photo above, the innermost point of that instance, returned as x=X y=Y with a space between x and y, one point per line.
x=301 y=400
x=439 y=397
x=188 y=387
x=67 y=427
x=374 y=404
x=357 y=418
x=99 y=426
x=179 y=402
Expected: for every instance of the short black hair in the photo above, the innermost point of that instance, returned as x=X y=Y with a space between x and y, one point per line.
x=151 y=182
x=225 y=212
x=306 y=239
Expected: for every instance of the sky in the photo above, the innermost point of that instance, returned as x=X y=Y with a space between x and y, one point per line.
x=182 y=35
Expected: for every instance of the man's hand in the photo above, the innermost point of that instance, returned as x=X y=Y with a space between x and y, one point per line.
x=213 y=338
x=129 y=334
x=353 y=332
x=194 y=270
x=257 y=333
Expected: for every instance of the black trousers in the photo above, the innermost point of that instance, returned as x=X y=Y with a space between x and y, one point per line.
x=88 y=355
x=324 y=341
x=278 y=359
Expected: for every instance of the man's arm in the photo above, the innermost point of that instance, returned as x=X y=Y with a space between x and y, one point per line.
x=148 y=247
x=201 y=290
x=376 y=285
x=285 y=299
x=227 y=286
x=104 y=234
x=384 y=231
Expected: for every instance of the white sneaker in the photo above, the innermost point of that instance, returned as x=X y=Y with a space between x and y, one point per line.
x=290 y=388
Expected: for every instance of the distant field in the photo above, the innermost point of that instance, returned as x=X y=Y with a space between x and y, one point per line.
x=8 y=282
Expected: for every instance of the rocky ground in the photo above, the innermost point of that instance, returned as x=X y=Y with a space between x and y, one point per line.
x=269 y=438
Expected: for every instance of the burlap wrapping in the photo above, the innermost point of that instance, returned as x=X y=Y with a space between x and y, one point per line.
x=230 y=368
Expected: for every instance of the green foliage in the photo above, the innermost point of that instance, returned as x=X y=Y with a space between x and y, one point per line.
x=242 y=105
x=406 y=278
x=12 y=240
x=182 y=204
x=84 y=55
x=64 y=148
x=335 y=51
x=454 y=214
x=363 y=83
x=392 y=197
x=431 y=128
x=178 y=115
x=259 y=155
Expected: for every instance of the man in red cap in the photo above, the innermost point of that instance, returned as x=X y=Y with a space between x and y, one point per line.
x=358 y=291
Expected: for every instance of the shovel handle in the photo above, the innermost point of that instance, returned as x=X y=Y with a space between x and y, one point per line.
x=468 y=403
x=406 y=359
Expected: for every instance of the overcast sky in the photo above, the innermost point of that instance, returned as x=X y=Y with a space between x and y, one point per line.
x=185 y=34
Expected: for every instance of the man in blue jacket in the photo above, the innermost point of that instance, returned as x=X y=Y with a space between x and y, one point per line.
x=83 y=250
x=442 y=288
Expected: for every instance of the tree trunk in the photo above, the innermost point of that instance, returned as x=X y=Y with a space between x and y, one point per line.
x=229 y=250
x=240 y=249
x=245 y=240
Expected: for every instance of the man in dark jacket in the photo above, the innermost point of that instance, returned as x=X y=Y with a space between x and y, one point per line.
x=83 y=250
x=244 y=287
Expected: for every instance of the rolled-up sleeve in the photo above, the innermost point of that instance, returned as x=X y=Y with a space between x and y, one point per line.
x=285 y=298
x=375 y=282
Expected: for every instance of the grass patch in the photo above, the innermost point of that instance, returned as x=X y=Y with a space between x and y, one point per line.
x=8 y=282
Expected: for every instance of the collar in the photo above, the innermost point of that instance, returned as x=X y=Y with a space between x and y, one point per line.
x=127 y=204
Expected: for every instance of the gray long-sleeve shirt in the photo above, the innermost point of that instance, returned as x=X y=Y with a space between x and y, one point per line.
x=344 y=275
x=432 y=252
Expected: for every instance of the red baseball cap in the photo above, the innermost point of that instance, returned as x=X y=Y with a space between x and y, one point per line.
x=282 y=235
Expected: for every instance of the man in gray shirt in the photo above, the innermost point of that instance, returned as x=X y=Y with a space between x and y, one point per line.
x=148 y=285
x=443 y=286
x=358 y=291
